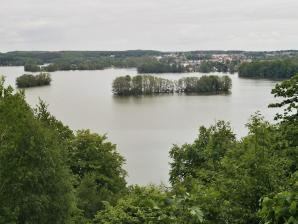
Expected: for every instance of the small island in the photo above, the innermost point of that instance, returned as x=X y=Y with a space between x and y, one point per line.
x=150 y=85
x=29 y=80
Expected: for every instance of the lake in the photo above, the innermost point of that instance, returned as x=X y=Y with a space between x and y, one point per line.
x=145 y=128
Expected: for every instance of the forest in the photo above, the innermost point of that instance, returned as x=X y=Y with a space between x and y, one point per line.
x=149 y=85
x=29 y=80
x=76 y=60
x=143 y=61
x=275 y=64
x=50 y=174
x=18 y=58
x=269 y=69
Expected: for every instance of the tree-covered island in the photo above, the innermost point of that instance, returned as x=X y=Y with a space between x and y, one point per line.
x=269 y=69
x=148 y=85
x=29 y=80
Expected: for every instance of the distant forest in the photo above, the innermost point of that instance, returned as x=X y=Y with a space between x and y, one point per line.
x=274 y=64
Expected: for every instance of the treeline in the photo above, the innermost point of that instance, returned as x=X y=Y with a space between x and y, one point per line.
x=274 y=69
x=17 y=58
x=50 y=175
x=217 y=66
x=28 y=80
x=143 y=65
x=87 y=64
x=155 y=66
x=36 y=61
x=144 y=61
x=148 y=85
x=20 y=58
x=171 y=66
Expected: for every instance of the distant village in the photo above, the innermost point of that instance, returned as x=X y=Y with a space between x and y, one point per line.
x=193 y=60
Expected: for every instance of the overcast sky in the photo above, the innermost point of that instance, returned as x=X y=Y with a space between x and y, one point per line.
x=148 y=24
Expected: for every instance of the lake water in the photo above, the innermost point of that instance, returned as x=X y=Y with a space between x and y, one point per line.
x=145 y=128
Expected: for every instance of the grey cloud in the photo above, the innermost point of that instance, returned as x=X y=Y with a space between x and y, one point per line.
x=143 y=24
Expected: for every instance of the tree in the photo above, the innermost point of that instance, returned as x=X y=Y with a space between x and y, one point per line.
x=288 y=89
x=151 y=205
x=274 y=69
x=203 y=156
x=28 y=80
x=35 y=183
x=229 y=177
x=255 y=167
x=64 y=133
x=282 y=207
x=137 y=85
x=31 y=67
x=97 y=167
x=122 y=85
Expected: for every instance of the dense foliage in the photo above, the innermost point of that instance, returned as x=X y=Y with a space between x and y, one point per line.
x=282 y=207
x=155 y=66
x=148 y=85
x=216 y=66
x=32 y=67
x=151 y=205
x=50 y=175
x=28 y=80
x=289 y=91
x=97 y=167
x=35 y=182
x=171 y=66
x=276 y=69
x=230 y=177
x=47 y=57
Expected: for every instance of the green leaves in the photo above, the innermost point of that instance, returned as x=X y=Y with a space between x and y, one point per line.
x=97 y=167
x=228 y=177
x=151 y=205
x=288 y=89
x=202 y=158
x=35 y=183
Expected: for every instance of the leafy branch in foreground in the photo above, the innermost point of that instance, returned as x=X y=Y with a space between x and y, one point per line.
x=288 y=90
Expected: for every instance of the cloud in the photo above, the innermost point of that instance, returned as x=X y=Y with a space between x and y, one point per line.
x=143 y=24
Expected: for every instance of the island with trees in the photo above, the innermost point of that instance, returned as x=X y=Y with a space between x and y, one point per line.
x=150 y=85
x=29 y=80
x=269 y=69
x=51 y=175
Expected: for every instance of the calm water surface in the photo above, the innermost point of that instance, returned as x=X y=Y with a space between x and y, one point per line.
x=145 y=128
